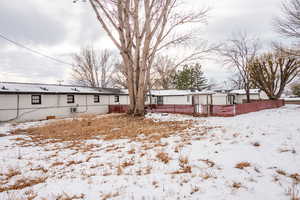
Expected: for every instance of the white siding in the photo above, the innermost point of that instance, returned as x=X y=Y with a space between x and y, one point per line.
x=219 y=99
x=243 y=97
x=263 y=95
x=123 y=100
x=179 y=100
x=51 y=105
x=202 y=99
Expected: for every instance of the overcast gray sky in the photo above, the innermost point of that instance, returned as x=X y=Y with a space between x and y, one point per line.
x=60 y=27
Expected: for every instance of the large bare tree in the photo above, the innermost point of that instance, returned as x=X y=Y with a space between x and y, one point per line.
x=237 y=53
x=140 y=29
x=271 y=72
x=289 y=24
x=93 y=68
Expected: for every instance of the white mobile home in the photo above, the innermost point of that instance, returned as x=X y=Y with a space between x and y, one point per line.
x=179 y=97
x=237 y=97
x=240 y=95
x=25 y=101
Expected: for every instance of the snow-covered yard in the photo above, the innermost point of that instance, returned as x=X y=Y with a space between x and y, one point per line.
x=251 y=156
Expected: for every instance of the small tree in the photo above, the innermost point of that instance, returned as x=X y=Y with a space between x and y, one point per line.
x=296 y=89
x=238 y=53
x=191 y=77
x=92 y=68
x=273 y=71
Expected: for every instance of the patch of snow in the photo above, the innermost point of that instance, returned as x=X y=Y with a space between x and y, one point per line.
x=268 y=140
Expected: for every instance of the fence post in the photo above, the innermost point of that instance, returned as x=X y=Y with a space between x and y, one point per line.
x=234 y=109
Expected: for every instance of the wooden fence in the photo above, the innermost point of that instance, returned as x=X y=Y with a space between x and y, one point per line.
x=206 y=110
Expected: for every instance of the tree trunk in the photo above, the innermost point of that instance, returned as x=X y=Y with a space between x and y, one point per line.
x=248 y=95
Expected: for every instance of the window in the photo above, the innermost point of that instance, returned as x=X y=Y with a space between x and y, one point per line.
x=188 y=98
x=160 y=100
x=70 y=99
x=36 y=99
x=96 y=99
x=117 y=99
x=231 y=99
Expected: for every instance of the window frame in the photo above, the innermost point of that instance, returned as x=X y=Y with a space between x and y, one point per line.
x=37 y=101
x=73 y=98
x=117 y=99
x=96 y=98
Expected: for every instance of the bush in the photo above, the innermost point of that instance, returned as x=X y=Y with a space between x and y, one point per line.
x=296 y=89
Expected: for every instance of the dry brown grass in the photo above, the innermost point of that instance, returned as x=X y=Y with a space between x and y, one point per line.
x=109 y=128
x=184 y=166
x=256 y=144
x=127 y=163
x=23 y=183
x=236 y=185
x=57 y=163
x=73 y=162
x=209 y=162
x=293 y=192
x=242 y=165
x=30 y=195
x=195 y=189
x=11 y=173
x=110 y=196
x=131 y=151
x=295 y=177
x=207 y=175
x=164 y=157
x=44 y=170
x=68 y=197
x=281 y=172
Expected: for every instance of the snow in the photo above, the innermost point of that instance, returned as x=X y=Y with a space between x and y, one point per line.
x=252 y=91
x=224 y=142
x=8 y=87
x=292 y=99
x=178 y=92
